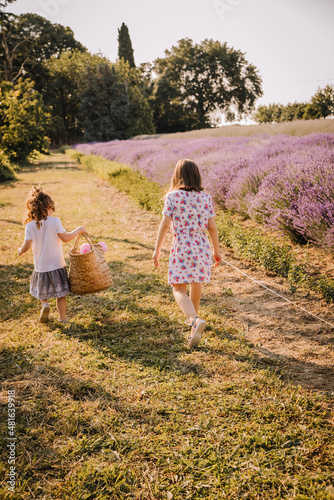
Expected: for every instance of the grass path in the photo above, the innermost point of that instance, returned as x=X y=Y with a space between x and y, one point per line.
x=114 y=405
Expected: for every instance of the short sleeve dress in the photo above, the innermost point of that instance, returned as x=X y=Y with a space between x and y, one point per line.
x=190 y=259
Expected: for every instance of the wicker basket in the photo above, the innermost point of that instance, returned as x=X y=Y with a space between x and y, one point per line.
x=89 y=272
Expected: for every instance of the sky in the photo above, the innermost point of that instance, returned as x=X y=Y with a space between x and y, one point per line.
x=291 y=42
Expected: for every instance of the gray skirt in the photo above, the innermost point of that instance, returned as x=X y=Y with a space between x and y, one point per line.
x=50 y=284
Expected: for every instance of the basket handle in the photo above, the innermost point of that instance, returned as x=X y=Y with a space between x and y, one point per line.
x=88 y=238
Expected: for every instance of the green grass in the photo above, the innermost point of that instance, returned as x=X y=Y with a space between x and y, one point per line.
x=278 y=258
x=147 y=194
x=114 y=405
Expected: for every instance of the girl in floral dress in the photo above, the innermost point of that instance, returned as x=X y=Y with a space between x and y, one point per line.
x=45 y=234
x=188 y=212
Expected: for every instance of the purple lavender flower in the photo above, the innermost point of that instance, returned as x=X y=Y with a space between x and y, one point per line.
x=282 y=181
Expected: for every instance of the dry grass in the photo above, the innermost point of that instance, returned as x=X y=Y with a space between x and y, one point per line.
x=114 y=405
x=298 y=128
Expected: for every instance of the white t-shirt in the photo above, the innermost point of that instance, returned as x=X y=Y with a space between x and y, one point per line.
x=46 y=244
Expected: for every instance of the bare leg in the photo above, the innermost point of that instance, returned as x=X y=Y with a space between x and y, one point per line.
x=183 y=301
x=195 y=294
x=61 y=306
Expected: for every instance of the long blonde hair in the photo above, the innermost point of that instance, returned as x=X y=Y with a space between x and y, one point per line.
x=37 y=205
x=186 y=176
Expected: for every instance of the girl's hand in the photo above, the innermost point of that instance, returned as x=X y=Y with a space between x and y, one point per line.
x=155 y=258
x=25 y=247
x=217 y=258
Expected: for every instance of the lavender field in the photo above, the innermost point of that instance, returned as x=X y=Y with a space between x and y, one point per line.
x=282 y=181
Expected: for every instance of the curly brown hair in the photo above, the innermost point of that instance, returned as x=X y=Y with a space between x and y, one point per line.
x=37 y=205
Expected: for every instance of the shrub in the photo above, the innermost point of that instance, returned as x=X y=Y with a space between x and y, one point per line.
x=6 y=172
x=24 y=122
x=259 y=248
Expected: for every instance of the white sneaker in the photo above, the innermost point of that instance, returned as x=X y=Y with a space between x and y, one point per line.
x=45 y=313
x=198 y=326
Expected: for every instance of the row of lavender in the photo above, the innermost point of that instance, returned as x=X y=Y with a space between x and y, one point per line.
x=283 y=181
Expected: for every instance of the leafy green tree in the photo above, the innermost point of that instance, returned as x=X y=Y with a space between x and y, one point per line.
x=206 y=77
x=146 y=84
x=169 y=112
x=263 y=114
x=129 y=76
x=321 y=104
x=4 y=3
x=140 y=115
x=103 y=103
x=62 y=93
x=10 y=43
x=294 y=111
x=269 y=114
x=140 y=118
x=67 y=88
x=24 y=122
x=125 y=49
x=29 y=40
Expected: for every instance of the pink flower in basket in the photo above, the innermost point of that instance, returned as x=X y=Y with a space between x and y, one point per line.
x=103 y=245
x=85 y=247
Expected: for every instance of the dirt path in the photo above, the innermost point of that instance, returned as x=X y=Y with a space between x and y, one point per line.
x=301 y=346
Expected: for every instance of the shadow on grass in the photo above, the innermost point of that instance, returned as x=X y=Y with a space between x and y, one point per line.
x=307 y=374
x=62 y=164
x=124 y=323
x=54 y=434
x=8 y=184
x=15 y=299
x=136 y=244
x=128 y=321
x=64 y=418
x=247 y=315
x=9 y=221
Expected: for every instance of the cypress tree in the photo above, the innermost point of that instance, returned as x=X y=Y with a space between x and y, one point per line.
x=125 y=49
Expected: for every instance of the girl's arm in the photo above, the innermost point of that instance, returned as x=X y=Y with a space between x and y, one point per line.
x=65 y=237
x=25 y=247
x=162 y=231
x=213 y=232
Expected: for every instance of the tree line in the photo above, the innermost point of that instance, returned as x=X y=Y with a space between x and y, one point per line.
x=321 y=105
x=54 y=90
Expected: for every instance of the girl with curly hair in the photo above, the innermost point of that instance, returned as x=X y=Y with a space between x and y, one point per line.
x=45 y=234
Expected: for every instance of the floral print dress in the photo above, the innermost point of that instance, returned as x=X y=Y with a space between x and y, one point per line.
x=190 y=259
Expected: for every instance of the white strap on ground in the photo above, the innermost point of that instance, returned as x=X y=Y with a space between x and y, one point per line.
x=278 y=295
